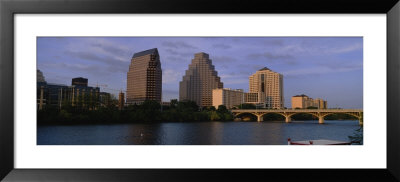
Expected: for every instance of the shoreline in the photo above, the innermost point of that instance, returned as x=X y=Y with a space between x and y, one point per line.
x=158 y=122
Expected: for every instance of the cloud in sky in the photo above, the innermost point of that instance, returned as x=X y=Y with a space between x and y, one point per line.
x=179 y=53
x=221 y=46
x=271 y=57
x=178 y=45
x=345 y=49
x=112 y=64
x=273 y=42
x=320 y=70
x=301 y=60
x=314 y=48
x=223 y=59
x=171 y=76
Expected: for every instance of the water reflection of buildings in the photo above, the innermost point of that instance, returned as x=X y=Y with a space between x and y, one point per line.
x=207 y=133
x=77 y=95
x=216 y=133
x=144 y=134
x=275 y=135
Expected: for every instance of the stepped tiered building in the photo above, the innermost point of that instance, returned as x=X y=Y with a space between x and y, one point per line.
x=144 y=78
x=199 y=81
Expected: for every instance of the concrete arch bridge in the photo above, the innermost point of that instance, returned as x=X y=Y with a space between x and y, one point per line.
x=288 y=113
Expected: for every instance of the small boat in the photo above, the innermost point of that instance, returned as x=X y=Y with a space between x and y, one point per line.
x=318 y=142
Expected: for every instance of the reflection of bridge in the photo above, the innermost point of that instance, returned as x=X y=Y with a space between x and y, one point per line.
x=287 y=113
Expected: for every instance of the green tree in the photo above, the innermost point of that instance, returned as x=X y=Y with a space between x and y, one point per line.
x=188 y=106
x=215 y=116
x=64 y=116
x=209 y=108
x=222 y=109
x=247 y=106
x=173 y=103
x=357 y=136
x=228 y=117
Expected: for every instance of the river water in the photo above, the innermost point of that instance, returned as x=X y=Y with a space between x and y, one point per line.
x=196 y=133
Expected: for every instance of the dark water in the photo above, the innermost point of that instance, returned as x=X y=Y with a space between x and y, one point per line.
x=199 y=133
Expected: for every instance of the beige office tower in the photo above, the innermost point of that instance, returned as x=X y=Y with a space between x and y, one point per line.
x=144 y=79
x=271 y=84
x=227 y=97
x=300 y=101
x=303 y=102
x=320 y=104
x=199 y=81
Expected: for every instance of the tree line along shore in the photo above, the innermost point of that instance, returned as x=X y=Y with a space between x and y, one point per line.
x=151 y=111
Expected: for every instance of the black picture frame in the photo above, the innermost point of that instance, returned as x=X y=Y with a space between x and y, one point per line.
x=9 y=8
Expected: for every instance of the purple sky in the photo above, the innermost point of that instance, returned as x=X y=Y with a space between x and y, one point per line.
x=330 y=68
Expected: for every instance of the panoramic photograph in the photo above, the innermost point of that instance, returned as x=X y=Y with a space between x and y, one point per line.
x=199 y=91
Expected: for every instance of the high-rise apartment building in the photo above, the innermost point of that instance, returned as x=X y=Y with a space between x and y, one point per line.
x=269 y=83
x=144 y=78
x=227 y=97
x=199 y=81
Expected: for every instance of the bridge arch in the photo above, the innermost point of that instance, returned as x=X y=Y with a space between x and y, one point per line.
x=276 y=113
x=310 y=113
x=357 y=116
x=240 y=115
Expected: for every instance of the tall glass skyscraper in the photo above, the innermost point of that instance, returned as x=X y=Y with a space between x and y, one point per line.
x=144 y=78
x=199 y=81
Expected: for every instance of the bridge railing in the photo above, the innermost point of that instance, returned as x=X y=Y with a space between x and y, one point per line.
x=296 y=110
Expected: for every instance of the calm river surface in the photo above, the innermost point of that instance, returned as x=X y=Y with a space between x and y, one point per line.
x=199 y=133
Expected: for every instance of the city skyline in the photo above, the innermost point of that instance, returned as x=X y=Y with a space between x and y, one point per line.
x=320 y=67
